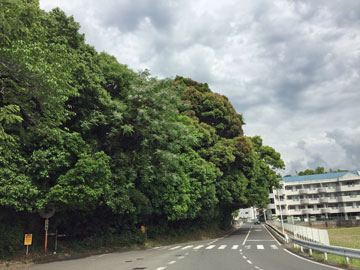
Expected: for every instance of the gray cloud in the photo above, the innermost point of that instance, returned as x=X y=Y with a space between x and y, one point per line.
x=291 y=67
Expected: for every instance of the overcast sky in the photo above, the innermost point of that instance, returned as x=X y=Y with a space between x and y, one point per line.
x=292 y=68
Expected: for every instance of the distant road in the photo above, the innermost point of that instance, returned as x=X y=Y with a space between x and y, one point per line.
x=250 y=247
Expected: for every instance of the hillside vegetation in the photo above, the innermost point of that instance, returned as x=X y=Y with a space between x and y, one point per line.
x=111 y=149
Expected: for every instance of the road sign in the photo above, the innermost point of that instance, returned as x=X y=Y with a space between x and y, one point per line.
x=28 y=239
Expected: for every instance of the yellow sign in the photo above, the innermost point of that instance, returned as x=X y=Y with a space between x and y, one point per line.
x=28 y=239
x=143 y=229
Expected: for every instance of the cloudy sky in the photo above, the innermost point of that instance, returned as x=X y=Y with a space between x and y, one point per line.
x=292 y=68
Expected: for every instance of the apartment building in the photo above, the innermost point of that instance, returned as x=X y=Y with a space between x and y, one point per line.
x=317 y=197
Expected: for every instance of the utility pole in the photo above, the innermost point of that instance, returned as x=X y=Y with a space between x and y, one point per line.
x=281 y=217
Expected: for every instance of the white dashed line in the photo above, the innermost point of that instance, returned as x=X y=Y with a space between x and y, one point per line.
x=249 y=262
x=222 y=246
x=198 y=247
x=244 y=257
x=173 y=248
x=235 y=247
x=210 y=247
x=160 y=268
x=181 y=257
x=172 y=262
x=259 y=246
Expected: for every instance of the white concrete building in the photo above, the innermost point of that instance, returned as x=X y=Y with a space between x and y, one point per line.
x=317 y=197
x=248 y=213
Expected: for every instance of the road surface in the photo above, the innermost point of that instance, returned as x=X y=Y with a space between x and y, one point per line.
x=250 y=247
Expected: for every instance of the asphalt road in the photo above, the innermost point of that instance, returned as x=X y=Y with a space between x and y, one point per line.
x=249 y=247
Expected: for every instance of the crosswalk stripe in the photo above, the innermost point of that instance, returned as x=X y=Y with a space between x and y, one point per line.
x=235 y=247
x=273 y=246
x=222 y=246
x=173 y=248
x=260 y=246
x=187 y=247
x=210 y=247
x=198 y=247
x=248 y=247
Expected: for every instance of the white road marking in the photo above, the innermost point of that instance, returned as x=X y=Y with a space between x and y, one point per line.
x=102 y=255
x=222 y=246
x=173 y=248
x=333 y=267
x=273 y=246
x=244 y=257
x=156 y=247
x=212 y=242
x=210 y=247
x=272 y=235
x=259 y=246
x=260 y=240
x=181 y=257
x=248 y=247
x=172 y=262
x=249 y=262
x=187 y=247
x=240 y=250
x=247 y=236
x=198 y=247
x=257 y=230
x=160 y=268
x=235 y=247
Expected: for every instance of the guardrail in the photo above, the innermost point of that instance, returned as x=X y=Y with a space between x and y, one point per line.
x=282 y=235
x=326 y=249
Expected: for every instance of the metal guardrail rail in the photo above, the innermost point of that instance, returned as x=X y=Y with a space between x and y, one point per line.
x=282 y=235
x=326 y=249
x=341 y=251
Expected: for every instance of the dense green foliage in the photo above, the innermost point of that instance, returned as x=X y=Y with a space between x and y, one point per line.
x=108 y=148
x=318 y=170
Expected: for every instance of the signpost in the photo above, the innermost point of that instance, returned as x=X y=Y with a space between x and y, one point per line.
x=46 y=233
x=27 y=242
x=46 y=213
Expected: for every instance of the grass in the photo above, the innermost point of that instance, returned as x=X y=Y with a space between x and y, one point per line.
x=342 y=237
x=345 y=237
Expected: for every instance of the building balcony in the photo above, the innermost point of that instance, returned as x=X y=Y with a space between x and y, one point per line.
x=306 y=211
x=324 y=200
x=283 y=202
x=325 y=210
x=294 y=212
x=291 y=202
x=322 y=190
x=304 y=201
x=348 y=188
x=351 y=198
x=303 y=191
